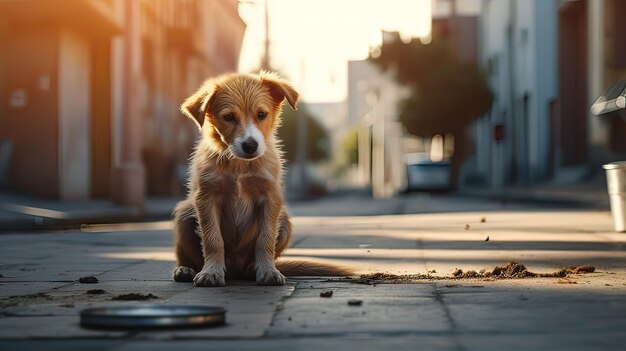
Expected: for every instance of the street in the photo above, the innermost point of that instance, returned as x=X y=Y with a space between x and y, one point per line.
x=41 y=296
x=465 y=159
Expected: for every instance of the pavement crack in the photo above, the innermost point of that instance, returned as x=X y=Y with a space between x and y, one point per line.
x=279 y=307
x=38 y=281
x=9 y=314
x=439 y=297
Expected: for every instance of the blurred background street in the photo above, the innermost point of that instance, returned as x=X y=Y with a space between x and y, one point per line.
x=463 y=95
x=431 y=135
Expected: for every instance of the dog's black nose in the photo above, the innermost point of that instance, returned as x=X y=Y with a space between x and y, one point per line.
x=249 y=146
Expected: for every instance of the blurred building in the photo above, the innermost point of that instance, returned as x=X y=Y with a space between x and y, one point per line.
x=456 y=21
x=518 y=52
x=373 y=98
x=547 y=61
x=90 y=91
x=333 y=116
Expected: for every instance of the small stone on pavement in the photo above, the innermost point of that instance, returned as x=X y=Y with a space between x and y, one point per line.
x=88 y=280
x=326 y=293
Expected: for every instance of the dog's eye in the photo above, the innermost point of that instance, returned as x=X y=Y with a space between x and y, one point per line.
x=229 y=117
x=262 y=115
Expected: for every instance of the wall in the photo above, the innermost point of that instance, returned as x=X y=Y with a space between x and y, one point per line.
x=33 y=125
x=69 y=63
x=493 y=158
x=74 y=102
x=101 y=118
x=373 y=98
x=544 y=37
x=519 y=52
x=181 y=49
x=615 y=70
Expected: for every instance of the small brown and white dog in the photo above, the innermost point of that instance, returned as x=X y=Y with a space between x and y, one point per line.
x=234 y=222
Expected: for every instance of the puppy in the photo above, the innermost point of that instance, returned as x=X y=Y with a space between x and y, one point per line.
x=234 y=222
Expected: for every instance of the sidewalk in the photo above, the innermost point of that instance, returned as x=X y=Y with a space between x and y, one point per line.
x=589 y=195
x=40 y=297
x=24 y=213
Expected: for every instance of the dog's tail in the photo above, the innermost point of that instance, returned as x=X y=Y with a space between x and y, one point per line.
x=311 y=269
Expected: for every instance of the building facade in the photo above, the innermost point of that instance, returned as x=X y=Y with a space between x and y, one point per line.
x=547 y=61
x=373 y=98
x=90 y=91
x=518 y=52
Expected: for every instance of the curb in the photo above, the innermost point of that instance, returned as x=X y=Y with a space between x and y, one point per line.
x=558 y=201
x=36 y=224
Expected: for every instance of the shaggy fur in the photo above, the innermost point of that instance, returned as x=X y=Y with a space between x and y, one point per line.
x=234 y=223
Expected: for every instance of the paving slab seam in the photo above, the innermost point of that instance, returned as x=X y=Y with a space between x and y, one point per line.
x=18 y=315
x=279 y=306
x=372 y=334
x=216 y=337
x=297 y=242
x=130 y=264
x=439 y=298
x=71 y=282
x=135 y=336
x=38 y=281
x=62 y=338
x=141 y=336
x=608 y=238
x=95 y=275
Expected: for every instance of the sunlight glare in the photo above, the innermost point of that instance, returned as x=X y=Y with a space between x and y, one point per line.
x=311 y=41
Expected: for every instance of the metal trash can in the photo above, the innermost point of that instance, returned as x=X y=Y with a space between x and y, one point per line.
x=616 y=181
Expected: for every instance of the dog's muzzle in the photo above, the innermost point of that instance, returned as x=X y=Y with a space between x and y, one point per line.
x=250 y=146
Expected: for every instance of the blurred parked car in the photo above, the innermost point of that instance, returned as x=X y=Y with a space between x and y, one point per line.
x=426 y=175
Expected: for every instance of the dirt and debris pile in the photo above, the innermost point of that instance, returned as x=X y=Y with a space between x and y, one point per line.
x=18 y=300
x=516 y=270
x=387 y=278
x=95 y=292
x=510 y=270
x=134 y=297
x=581 y=269
x=88 y=280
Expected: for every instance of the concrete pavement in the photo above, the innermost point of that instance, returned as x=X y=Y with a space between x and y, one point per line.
x=41 y=297
x=25 y=213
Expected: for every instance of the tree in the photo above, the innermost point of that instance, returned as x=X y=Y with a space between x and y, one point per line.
x=350 y=147
x=347 y=152
x=317 y=144
x=446 y=93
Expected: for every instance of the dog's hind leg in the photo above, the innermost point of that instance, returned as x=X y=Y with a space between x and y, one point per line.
x=188 y=247
x=284 y=233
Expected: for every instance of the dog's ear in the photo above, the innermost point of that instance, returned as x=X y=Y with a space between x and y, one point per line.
x=279 y=88
x=196 y=106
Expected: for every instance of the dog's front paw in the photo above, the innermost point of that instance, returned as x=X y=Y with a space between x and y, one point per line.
x=269 y=276
x=211 y=277
x=183 y=274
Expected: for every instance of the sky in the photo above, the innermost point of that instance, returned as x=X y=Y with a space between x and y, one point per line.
x=312 y=40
